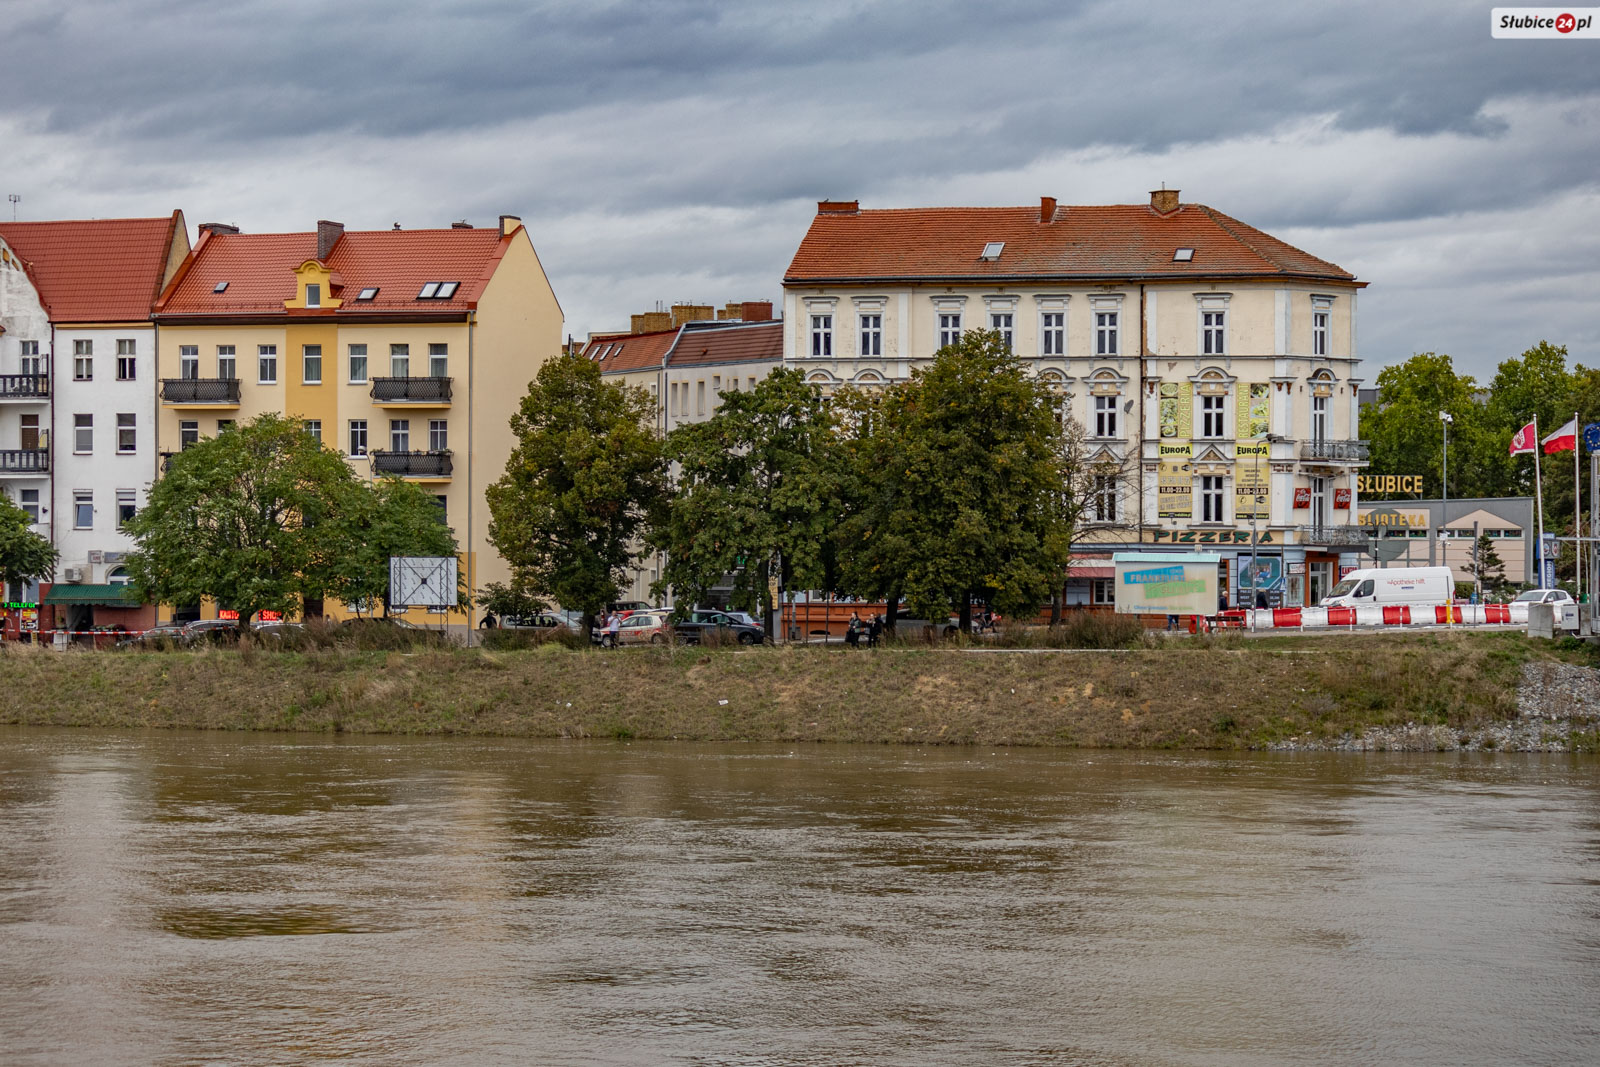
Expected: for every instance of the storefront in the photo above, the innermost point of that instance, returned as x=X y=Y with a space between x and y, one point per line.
x=82 y=609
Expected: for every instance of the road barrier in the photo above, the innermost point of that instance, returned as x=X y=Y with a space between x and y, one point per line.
x=1378 y=616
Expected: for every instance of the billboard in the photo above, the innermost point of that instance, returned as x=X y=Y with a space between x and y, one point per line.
x=1166 y=583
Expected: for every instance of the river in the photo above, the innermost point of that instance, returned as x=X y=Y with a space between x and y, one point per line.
x=183 y=898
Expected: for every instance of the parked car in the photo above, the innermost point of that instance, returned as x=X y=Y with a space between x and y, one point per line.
x=624 y=608
x=279 y=629
x=645 y=628
x=1544 y=596
x=692 y=631
x=544 y=620
x=201 y=630
x=1393 y=585
x=155 y=637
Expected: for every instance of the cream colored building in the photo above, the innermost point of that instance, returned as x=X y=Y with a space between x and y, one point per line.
x=407 y=350
x=1213 y=365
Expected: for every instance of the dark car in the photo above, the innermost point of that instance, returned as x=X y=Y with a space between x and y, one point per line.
x=166 y=636
x=692 y=631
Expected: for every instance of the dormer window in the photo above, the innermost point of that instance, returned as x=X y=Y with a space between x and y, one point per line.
x=220 y=287
x=367 y=293
x=992 y=250
x=313 y=295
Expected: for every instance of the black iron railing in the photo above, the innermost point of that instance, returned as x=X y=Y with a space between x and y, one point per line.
x=1335 y=451
x=200 y=390
x=24 y=461
x=28 y=385
x=1334 y=535
x=412 y=464
x=411 y=390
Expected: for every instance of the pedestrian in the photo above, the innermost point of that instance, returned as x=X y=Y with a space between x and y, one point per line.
x=1261 y=599
x=852 y=633
x=613 y=627
x=875 y=631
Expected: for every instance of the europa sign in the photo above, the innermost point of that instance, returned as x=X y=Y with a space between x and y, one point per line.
x=1379 y=484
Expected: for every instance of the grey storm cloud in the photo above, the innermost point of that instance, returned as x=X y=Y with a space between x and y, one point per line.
x=671 y=149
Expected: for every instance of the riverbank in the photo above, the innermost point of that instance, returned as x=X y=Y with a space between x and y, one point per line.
x=1279 y=693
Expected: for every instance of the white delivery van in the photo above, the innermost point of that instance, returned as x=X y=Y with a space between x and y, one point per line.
x=1393 y=585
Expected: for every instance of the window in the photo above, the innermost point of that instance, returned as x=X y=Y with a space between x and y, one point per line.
x=189 y=362
x=118 y=576
x=700 y=398
x=82 y=510
x=949 y=329
x=1054 y=335
x=31 y=363
x=439 y=361
x=716 y=385
x=1103 y=591
x=400 y=361
x=83 y=361
x=224 y=425
x=1105 y=416
x=127 y=433
x=1319 y=501
x=672 y=398
x=267 y=364
x=822 y=335
x=368 y=293
x=752 y=385
x=227 y=363
x=438 y=435
x=314 y=430
x=1103 y=500
x=188 y=433
x=444 y=509
x=1213 y=332
x=1105 y=333
x=399 y=435
x=1212 y=423
x=311 y=364
x=1183 y=255
x=1000 y=323
x=126 y=507
x=872 y=335
x=358 y=437
x=29 y=499
x=313 y=295
x=83 y=434
x=428 y=291
x=1319 y=418
x=1319 y=333
x=446 y=290
x=127 y=368
x=358 y=364
x=1210 y=498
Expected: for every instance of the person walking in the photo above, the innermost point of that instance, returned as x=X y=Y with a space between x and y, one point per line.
x=613 y=627
x=875 y=631
x=852 y=633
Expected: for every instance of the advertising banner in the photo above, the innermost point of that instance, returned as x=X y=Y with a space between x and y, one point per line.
x=1164 y=583
x=1252 y=488
x=1177 y=411
x=1264 y=575
x=1174 y=491
x=1253 y=410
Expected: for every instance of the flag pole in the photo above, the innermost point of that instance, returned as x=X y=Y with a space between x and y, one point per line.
x=1538 y=502
x=1577 y=507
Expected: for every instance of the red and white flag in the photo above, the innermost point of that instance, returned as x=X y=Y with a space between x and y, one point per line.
x=1522 y=441
x=1563 y=440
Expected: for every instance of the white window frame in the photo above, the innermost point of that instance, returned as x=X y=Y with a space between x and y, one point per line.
x=314 y=429
x=1004 y=324
x=188 y=433
x=1213 y=332
x=266 y=364
x=1213 y=498
x=227 y=362
x=127 y=506
x=189 y=362
x=949 y=328
x=1102 y=592
x=352 y=355
x=1213 y=412
x=399 y=361
x=1052 y=333
x=438 y=435
x=1319 y=333
x=29 y=506
x=310 y=360
x=313 y=294
x=399 y=435
x=83 y=434
x=1107 y=333
x=356 y=437
x=871 y=323
x=83 y=361
x=1104 y=497
x=128 y=422
x=1105 y=415
x=438 y=360
x=1321 y=409
x=822 y=335
x=127 y=359
x=81 y=499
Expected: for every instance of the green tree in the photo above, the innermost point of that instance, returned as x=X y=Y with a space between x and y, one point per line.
x=24 y=555
x=1536 y=383
x=585 y=479
x=388 y=517
x=1404 y=426
x=756 y=495
x=1488 y=568
x=957 y=481
x=248 y=518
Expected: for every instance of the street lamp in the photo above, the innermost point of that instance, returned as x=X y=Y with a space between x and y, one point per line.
x=1255 y=512
x=1445 y=419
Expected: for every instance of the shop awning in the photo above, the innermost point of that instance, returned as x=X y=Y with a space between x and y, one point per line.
x=107 y=596
x=1091 y=567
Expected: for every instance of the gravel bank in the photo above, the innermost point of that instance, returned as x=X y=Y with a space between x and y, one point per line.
x=1555 y=701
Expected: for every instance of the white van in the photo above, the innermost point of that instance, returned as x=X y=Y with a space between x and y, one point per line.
x=1393 y=585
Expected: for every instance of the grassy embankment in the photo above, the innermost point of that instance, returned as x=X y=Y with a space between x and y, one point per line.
x=1222 y=693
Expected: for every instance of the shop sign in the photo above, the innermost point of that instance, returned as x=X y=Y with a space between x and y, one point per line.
x=1174 y=490
x=1297 y=568
x=1207 y=537
x=1252 y=487
x=1341 y=499
x=269 y=616
x=228 y=614
x=1253 y=412
x=1387 y=517
x=1252 y=449
x=1382 y=484
x=30 y=619
x=1302 y=497
x=18 y=605
x=1176 y=449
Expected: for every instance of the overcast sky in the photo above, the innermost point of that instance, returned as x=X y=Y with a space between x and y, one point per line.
x=675 y=150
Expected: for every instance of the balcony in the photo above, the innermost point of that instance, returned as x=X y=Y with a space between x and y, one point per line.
x=200 y=392
x=412 y=392
x=1334 y=452
x=1346 y=536
x=430 y=466
x=25 y=461
x=24 y=387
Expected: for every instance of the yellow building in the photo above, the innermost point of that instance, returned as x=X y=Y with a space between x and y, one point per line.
x=407 y=350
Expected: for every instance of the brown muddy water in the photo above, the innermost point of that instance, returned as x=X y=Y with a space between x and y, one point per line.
x=202 y=898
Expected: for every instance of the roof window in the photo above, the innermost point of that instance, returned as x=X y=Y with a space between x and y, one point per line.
x=447 y=290
x=992 y=250
x=368 y=293
x=428 y=291
x=219 y=287
x=1183 y=255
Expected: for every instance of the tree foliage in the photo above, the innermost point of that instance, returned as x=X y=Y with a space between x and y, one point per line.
x=579 y=488
x=391 y=517
x=757 y=495
x=24 y=555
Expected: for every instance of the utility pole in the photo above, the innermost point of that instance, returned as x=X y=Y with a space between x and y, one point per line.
x=15 y=200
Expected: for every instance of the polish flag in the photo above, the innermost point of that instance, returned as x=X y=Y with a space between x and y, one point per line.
x=1522 y=441
x=1563 y=440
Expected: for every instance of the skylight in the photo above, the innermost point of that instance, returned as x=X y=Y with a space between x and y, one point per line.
x=428 y=291
x=219 y=287
x=1183 y=255
x=367 y=293
x=446 y=290
x=992 y=250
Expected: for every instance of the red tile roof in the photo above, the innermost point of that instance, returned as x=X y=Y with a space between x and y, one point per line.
x=95 y=270
x=259 y=269
x=631 y=352
x=1080 y=243
x=760 y=342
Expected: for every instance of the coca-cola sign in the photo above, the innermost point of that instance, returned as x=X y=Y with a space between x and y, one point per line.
x=1302 y=497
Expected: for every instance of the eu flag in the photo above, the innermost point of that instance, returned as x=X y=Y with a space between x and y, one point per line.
x=1591 y=436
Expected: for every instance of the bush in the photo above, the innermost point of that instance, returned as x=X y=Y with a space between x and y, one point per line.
x=501 y=640
x=1079 y=629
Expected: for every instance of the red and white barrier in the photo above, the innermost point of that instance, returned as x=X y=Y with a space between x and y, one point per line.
x=1375 y=616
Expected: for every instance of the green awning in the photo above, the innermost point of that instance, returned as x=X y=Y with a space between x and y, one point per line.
x=109 y=596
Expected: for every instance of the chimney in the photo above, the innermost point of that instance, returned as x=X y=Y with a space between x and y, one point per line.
x=217 y=229
x=756 y=311
x=682 y=313
x=1164 y=200
x=462 y=225
x=508 y=224
x=1047 y=209
x=652 y=322
x=328 y=234
x=838 y=207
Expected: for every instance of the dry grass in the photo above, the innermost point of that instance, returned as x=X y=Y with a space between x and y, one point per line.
x=1220 y=693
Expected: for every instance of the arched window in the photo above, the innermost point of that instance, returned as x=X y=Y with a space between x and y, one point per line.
x=118 y=576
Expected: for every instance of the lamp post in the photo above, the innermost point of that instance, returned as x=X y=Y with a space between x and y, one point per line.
x=1445 y=419
x=1255 y=512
